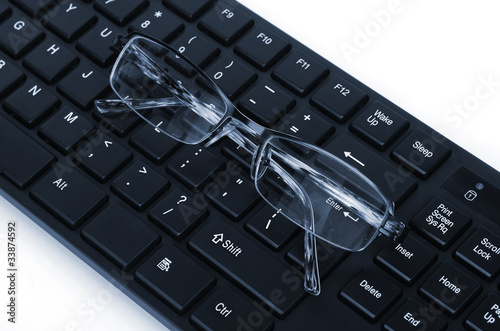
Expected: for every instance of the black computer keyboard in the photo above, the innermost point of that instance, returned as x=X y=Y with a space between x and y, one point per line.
x=181 y=229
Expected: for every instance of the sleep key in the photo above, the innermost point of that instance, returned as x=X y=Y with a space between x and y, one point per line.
x=421 y=153
x=481 y=251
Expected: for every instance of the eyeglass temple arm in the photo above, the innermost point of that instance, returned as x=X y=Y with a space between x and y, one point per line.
x=117 y=106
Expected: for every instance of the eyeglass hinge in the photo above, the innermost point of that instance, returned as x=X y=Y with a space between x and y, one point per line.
x=118 y=43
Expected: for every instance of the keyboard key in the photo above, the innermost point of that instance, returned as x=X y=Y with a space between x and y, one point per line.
x=243 y=262
x=237 y=153
x=23 y=161
x=481 y=251
x=225 y=23
x=50 y=60
x=266 y=103
x=32 y=7
x=486 y=317
x=11 y=76
x=414 y=316
x=450 y=288
x=120 y=125
x=30 y=103
x=69 y=20
x=120 y=236
x=306 y=124
x=178 y=213
x=189 y=10
x=194 y=165
x=339 y=98
x=379 y=125
x=102 y=157
x=395 y=185
x=329 y=257
x=120 y=11
x=440 y=222
x=232 y=192
x=370 y=293
x=95 y=44
x=231 y=76
x=226 y=310
x=4 y=10
x=261 y=47
x=475 y=193
x=152 y=142
x=407 y=260
x=84 y=85
x=421 y=153
x=272 y=228
x=196 y=48
x=18 y=34
x=68 y=195
x=175 y=278
x=157 y=22
x=66 y=129
x=300 y=73
x=139 y=185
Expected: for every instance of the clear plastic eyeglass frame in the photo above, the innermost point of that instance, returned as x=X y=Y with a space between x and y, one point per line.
x=314 y=189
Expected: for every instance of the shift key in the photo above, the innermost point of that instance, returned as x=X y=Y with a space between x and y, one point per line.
x=249 y=266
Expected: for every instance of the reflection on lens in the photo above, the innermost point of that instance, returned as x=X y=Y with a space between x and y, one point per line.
x=309 y=184
x=142 y=73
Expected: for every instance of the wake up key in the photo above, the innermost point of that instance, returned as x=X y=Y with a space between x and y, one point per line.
x=379 y=125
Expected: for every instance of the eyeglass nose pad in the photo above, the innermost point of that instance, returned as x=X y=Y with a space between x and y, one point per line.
x=260 y=161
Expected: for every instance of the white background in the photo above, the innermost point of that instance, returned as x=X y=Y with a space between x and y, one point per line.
x=426 y=56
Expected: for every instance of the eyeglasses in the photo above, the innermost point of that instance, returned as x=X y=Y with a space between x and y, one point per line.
x=314 y=189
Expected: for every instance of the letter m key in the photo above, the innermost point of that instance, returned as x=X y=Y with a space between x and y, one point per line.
x=70 y=118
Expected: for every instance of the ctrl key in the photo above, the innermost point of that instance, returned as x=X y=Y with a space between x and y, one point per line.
x=225 y=310
x=370 y=293
x=486 y=316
